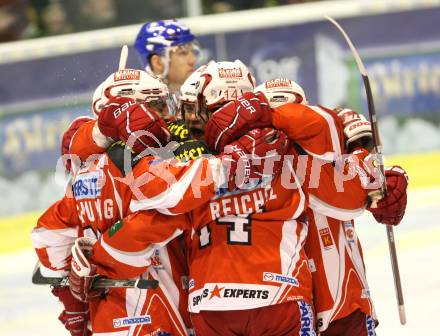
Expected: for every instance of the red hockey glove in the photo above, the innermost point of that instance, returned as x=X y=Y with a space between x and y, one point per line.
x=68 y=135
x=256 y=154
x=357 y=129
x=235 y=119
x=75 y=315
x=391 y=209
x=124 y=117
x=83 y=273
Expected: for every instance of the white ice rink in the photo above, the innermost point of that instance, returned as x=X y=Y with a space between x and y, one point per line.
x=26 y=309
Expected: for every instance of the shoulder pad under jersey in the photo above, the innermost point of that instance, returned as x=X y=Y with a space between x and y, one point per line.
x=116 y=153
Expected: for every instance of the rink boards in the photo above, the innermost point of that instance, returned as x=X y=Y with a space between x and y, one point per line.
x=422 y=169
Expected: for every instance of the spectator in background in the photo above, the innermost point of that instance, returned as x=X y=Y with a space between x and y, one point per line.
x=55 y=19
x=213 y=6
x=293 y=2
x=222 y=6
x=13 y=19
x=48 y=17
x=169 y=50
x=133 y=11
x=91 y=14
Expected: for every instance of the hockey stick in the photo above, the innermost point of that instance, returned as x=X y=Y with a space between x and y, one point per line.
x=39 y=279
x=123 y=57
x=378 y=147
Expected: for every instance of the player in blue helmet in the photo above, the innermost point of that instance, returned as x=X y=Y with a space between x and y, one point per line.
x=169 y=50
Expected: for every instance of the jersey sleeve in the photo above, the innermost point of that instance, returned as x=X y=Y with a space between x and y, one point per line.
x=340 y=192
x=172 y=187
x=55 y=233
x=87 y=141
x=316 y=129
x=125 y=250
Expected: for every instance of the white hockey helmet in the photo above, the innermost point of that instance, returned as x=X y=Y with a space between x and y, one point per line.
x=188 y=91
x=99 y=100
x=280 y=91
x=135 y=84
x=221 y=82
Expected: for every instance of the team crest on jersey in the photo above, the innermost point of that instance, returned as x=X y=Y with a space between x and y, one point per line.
x=349 y=232
x=326 y=238
x=129 y=321
x=156 y=261
x=88 y=185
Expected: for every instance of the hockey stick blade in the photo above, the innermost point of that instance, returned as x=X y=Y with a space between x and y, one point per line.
x=39 y=279
x=378 y=147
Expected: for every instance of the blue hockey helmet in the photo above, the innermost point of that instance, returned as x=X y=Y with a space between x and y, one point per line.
x=154 y=38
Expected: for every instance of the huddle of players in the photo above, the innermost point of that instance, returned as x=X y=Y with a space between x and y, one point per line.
x=239 y=245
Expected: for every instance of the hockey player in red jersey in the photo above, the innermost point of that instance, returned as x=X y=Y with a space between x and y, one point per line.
x=246 y=253
x=98 y=198
x=75 y=314
x=109 y=201
x=342 y=298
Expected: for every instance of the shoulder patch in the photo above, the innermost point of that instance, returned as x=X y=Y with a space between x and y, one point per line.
x=115 y=228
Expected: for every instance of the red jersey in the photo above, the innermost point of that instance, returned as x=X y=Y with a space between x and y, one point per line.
x=337 y=194
x=245 y=247
x=99 y=197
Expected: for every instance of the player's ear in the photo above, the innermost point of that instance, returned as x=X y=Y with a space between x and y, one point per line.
x=156 y=64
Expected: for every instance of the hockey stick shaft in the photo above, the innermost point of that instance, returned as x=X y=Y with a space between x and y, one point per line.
x=378 y=148
x=123 y=57
x=39 y=279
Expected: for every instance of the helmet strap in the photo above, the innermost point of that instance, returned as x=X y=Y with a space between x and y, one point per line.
x=165 y=60
x=166 y=64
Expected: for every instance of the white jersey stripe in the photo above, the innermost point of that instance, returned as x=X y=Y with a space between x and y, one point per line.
x=333 y=131
x=136 y=259
x=328 y=210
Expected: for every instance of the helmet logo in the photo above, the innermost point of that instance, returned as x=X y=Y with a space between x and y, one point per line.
x=230 y=73
x=278 y=82
x=127 y=75
x=155 y=27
